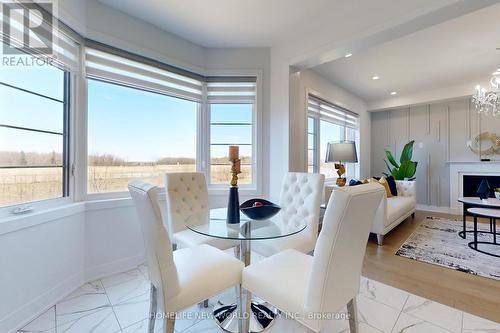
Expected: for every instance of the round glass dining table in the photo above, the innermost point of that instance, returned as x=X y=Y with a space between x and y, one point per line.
x=232 y=318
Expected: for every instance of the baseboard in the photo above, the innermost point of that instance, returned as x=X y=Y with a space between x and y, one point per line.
x=18 y=318
x=438 y=209
x=117 y=266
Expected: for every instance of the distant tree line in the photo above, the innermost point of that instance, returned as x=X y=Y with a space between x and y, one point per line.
x=22 y=158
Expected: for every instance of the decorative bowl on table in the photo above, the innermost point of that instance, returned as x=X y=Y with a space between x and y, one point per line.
x=497 y=193
x=259 y=209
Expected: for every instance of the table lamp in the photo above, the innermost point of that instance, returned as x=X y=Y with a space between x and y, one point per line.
x=341 y=152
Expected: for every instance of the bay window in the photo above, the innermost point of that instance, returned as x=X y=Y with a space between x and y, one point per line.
x=146 y=119
x=326 y=123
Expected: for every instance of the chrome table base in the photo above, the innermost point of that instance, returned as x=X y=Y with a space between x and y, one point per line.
x=245 y=316
x=227 y=317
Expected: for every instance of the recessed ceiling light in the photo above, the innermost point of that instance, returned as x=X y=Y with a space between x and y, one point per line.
x=348 y=55
x=394 y=93
x=375 y=77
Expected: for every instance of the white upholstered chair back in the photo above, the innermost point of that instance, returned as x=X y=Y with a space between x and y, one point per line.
x=187 y=194
x=340 y=249
x=300 y=200
x=162 y=270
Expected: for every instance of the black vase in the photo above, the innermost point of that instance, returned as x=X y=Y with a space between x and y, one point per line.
x=233 y=206
x=483 y=191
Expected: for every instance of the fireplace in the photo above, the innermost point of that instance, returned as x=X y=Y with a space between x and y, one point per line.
x=462 y=170
x=470 y=184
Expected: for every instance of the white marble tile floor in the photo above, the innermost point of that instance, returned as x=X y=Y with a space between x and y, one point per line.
x=120 y=303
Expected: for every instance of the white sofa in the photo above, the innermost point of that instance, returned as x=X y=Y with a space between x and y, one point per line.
x=393 y=210
x=396 y=209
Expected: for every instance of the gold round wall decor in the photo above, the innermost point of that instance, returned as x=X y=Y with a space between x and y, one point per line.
x=492 y=149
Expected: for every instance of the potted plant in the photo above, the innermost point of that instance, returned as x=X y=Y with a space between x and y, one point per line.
x=406 y=168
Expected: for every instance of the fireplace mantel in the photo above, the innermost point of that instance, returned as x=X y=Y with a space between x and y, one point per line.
x=460 y=168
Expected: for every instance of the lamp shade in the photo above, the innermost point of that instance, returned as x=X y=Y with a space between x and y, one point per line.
x=343 y=151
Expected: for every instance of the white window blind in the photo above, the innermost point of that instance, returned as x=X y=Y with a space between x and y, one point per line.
x=122 y=70
x=333 y=114
x=65 y=50
x=231 y=89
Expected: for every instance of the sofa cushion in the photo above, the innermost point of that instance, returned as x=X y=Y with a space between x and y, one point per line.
x=397 y=207
x=392 y=185
x=383 y=181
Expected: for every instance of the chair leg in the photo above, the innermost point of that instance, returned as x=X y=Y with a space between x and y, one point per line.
x=413 y=215
x=237 y=251
x=352 y=309
x=380 y=240
x=170 y=325
x=153 y=306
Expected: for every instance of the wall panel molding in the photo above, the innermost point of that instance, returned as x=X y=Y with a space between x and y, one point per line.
x=441 y=131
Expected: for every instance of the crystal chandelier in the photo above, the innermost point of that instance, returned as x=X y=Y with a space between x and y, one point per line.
x=488 y=102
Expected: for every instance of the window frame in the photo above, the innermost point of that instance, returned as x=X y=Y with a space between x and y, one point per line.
x=247 y=189
x=213 y=186
x=317 y=128
x=203 y=139
x=67 y=149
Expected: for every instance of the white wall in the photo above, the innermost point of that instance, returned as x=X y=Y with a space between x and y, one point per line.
x=40 y=264
x=115 y=28
x=308 y=81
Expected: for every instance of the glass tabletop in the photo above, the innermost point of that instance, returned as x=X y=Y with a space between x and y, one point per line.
x=214 y=224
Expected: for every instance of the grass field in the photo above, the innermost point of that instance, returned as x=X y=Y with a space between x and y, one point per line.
x=24 y=185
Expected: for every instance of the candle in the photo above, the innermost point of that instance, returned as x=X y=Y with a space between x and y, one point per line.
x=234 y=153
x=238 y=166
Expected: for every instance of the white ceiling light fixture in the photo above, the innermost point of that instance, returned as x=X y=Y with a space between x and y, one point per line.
x=348 y=55
x=488 y=101
x=375 y=77
x=394 y=93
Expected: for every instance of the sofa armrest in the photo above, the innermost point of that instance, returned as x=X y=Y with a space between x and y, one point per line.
x=407 y=188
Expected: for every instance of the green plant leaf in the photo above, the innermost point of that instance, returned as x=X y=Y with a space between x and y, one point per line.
x=407 y=152
x=391 y=158
x=396 y=174
x=408 y=169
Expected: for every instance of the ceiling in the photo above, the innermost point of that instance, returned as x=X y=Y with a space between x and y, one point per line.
x=264 y=23
x=458 y=51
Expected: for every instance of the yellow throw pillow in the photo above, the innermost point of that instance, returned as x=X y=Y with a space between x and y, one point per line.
x=384 y=183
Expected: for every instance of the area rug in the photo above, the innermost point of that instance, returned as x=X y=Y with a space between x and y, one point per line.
x=436 y=241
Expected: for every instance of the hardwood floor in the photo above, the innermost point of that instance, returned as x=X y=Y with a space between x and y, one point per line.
x=474 y=294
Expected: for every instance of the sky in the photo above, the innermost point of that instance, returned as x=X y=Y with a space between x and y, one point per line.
x=131 y=124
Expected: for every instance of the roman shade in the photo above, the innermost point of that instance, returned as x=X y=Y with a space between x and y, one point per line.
x=231 y=89
x=111 y=67
x=332 y=113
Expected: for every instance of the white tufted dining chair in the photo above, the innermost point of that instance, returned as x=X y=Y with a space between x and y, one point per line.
x=187 y=195
x=300 y=199
x=308 y=286
x=183 y=277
